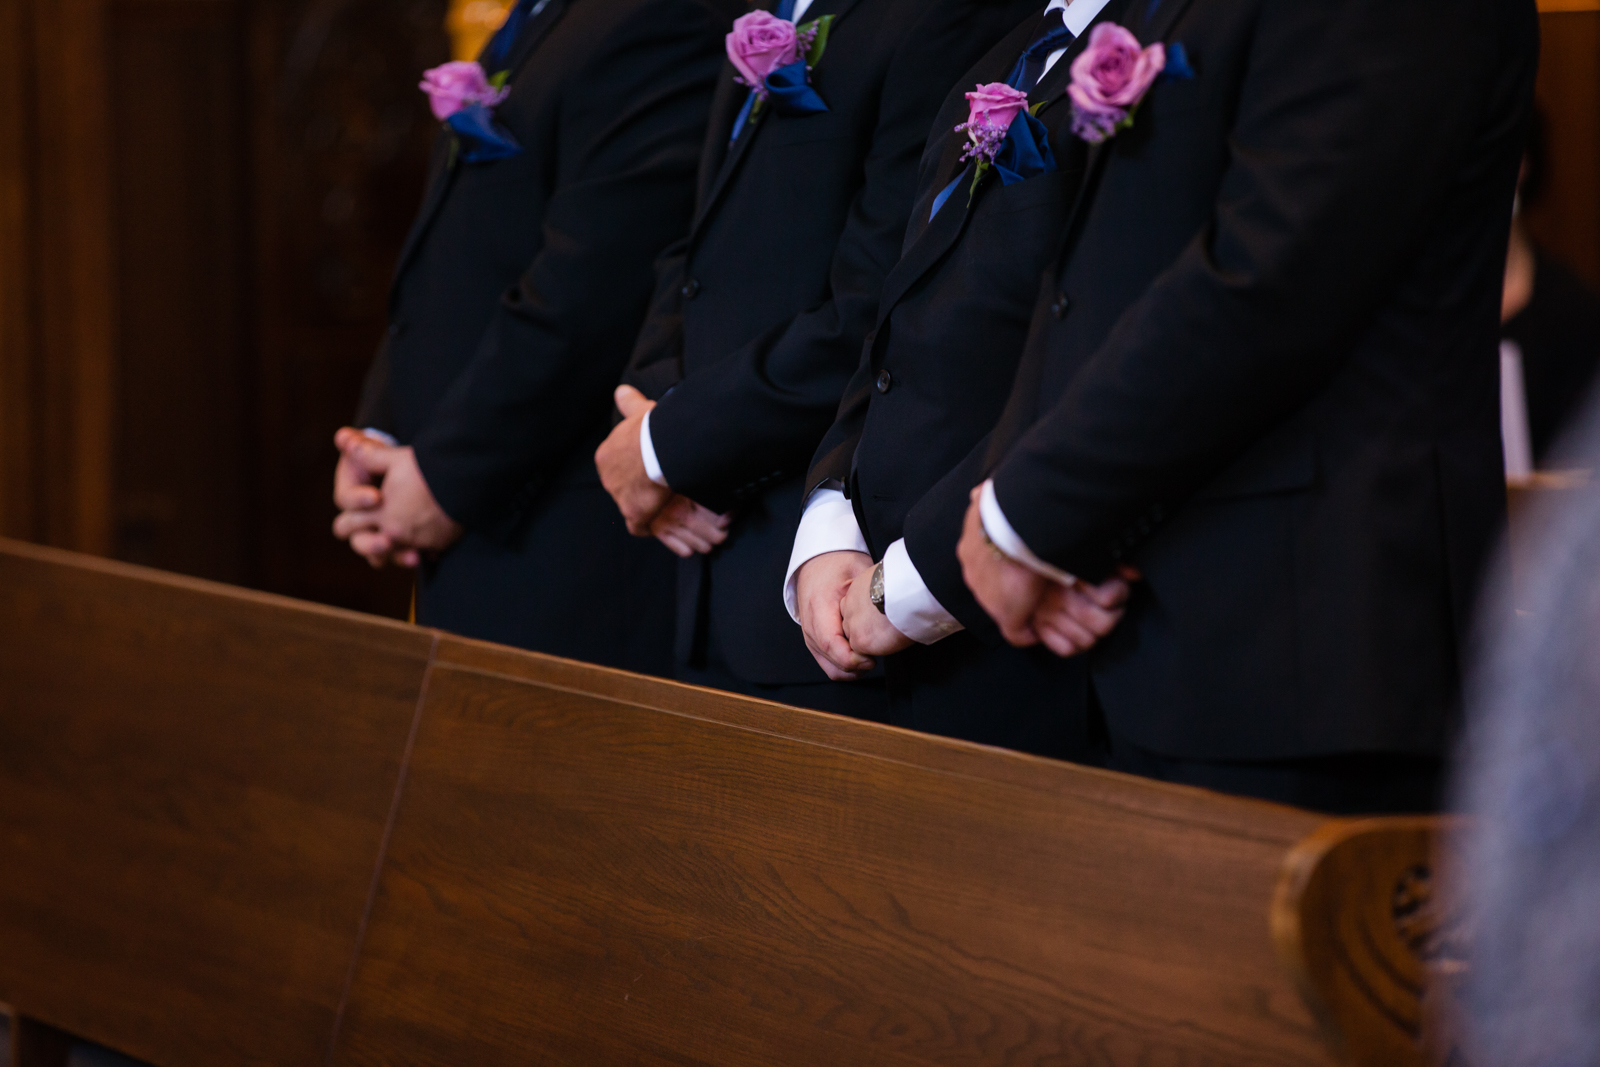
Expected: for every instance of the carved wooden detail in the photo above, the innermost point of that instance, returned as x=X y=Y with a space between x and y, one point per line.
x=1371 y=941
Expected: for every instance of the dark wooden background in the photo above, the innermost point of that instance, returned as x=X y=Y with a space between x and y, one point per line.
x=200 y=201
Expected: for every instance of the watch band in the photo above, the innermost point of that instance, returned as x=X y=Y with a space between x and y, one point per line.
x=875 y=589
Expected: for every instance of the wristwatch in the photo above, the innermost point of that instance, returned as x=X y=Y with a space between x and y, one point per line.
x=875 y=589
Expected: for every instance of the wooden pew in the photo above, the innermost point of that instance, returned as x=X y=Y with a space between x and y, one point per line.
x=253 y=831
x=194 y=789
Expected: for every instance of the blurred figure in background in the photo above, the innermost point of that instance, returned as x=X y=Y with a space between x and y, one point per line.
x=1550 y=331
x=1530 y=871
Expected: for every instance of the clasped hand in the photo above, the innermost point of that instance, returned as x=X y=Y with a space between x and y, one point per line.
x=386 y=510
x=652 y=510
x=1031 y=609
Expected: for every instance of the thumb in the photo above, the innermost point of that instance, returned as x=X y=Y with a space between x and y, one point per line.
x=631 y=402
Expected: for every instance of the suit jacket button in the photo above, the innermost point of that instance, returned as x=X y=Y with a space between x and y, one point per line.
x=691 y=289
x=1059 y=308
x=395 y=329
x=884 y=381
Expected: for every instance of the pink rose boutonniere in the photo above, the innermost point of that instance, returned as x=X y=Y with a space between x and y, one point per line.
x=453 y=86
x=759 y=44
x=1109 y=80
x=992 y=108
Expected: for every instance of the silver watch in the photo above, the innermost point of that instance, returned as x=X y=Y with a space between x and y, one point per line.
x=875 y=589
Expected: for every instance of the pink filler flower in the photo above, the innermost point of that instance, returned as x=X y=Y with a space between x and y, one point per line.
x=1109 y=79
x=759 y=44
x=991 y=110
x=452 y=86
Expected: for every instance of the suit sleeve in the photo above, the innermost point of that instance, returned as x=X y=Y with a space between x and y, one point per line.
x=757 y=417
x=631 y=128
x=1357 y=120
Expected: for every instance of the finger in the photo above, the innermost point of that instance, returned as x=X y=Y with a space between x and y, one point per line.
x=830 y=668
x=1069 y=628
x=352 y=495
x=691 y=537
x=630 y=401
x=837 y=648
x=371 y=543
x=377 y=458
x=704 y=528
x=1090 y=616
x=669 y=538
x=1111 y=594
x=1020 y=635
x=1056 y=641
x=1130 y=574
x=409 y=558
x=347 y=437
x=347 y=523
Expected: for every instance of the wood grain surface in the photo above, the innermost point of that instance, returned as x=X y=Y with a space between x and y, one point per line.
x=194 y=785
x=589 y=868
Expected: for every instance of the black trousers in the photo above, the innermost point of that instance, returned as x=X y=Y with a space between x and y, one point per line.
x=1354 y=783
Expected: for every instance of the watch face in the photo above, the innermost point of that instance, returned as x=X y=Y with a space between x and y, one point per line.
x=875 y=590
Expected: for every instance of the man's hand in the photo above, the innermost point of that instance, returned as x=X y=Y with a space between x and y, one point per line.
x=868 y=630
x=689 y=529
x=355 y=490
x=1073 y=619
x=820 y=585
x=1030 y=608
x=621 y=465
x=407 y=519
x=1007 y=590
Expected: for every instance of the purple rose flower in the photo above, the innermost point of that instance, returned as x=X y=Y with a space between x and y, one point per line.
x=991 y=110
x=1109 y=79
x=453 y=86
x=759 y=44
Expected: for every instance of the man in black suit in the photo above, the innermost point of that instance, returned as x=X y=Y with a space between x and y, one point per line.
x=514 y=308
x=759 y=321
x=1263 y=371
x=931 y=383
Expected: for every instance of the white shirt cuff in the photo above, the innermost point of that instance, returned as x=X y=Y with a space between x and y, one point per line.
x=379 y=435
x=1007 y=540
x=647 y=451
x=828 y=525
x=908 y=603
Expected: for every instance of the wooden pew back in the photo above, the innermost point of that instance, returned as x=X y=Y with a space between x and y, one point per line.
x=194 y=788
x=261 y=832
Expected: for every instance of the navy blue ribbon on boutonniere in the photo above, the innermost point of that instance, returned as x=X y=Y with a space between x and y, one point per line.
x=790 y=94
x=480 y=139
x=1025 y=153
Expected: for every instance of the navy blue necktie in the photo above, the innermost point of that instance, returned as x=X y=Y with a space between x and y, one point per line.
x=498 y=50
x=1051 y=35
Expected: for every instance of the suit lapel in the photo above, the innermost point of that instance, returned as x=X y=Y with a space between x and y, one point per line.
x=534 y=32
x=941 y=233
x=442 y=175
x=1153 y=20
x=723 y=119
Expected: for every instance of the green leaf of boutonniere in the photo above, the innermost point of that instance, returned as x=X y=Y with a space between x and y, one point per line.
x=1036 y=108
x=819 y=43
x=499 y=80
x=983 y=168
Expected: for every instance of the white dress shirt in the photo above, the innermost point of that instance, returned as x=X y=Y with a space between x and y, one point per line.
x=829 y=523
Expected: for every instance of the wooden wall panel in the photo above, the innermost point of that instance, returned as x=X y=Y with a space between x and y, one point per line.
x=184 y=494
x=189 y=851
x=1567 y=222
x=20 y=506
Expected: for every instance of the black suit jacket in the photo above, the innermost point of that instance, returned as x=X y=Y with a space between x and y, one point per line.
x=760 y=313
x=514 y=308
x=931 y=384
x=1270 y=380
